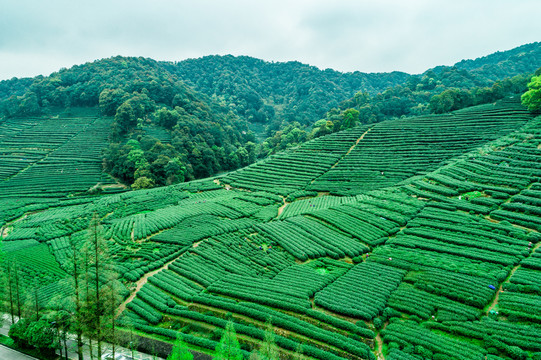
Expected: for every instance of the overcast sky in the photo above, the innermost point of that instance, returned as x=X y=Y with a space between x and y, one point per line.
x=40 y=37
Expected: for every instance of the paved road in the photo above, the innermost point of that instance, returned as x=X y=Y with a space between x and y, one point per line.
x=9 y=354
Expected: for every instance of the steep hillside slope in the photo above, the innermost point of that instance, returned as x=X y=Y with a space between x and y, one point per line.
x=389 y=152
x=53 y=157
x=438 y=265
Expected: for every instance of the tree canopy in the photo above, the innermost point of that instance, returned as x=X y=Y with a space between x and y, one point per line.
x=532 y=97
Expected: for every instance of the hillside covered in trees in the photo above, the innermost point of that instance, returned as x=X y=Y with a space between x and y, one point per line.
x=174 y=122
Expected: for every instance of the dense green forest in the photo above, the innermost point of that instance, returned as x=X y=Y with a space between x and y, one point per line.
x=297 y=102
x=278 y=93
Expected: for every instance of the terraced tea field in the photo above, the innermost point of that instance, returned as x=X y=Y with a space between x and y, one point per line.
x=52 y=157
x=409 y=239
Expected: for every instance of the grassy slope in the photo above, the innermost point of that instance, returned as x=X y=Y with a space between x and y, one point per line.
x=408 y=237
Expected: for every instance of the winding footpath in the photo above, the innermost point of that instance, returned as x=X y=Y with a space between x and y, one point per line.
x=500 y=288
x=139 y=284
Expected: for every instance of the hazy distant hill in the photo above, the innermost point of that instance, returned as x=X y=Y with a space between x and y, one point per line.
x=522 y=59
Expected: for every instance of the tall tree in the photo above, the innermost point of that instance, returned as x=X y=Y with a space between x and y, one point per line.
x=75 y=272
x=87 y=310
x=3 y=284
x=99 y=306
x=269 y=349
x=111 y=299
x=18 y=290
x=32 y=299
x=9 y=284
x=228 y=348
x=95 y=261
x=180 y=350
x=532 y=97
x=63 y=323
x=130 y=337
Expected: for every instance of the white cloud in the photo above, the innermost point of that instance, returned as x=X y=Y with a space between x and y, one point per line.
x=347 y=35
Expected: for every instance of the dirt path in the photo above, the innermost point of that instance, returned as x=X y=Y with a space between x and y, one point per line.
x=492 y=220
x=359 y=139
x=379 y=353
x=346 y=154
x=118 y=185
x=5 y=231
x=352 y=147
x=281 y=208
x=139 y=284
x=500 y=289
x=379 y=341
x=496 y=298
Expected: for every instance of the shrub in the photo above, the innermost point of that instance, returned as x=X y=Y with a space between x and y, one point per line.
x=17 y=332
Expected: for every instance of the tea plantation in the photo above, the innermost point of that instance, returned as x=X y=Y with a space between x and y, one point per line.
x=415 y=238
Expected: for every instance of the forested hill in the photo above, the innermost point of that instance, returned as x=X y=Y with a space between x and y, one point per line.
x=503 y=64
x=267 y=92
x=161 y=131
x=441 y=89
x=177 y=121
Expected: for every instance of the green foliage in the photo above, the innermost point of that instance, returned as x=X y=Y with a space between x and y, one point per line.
x=268 y=349
x=273 y=93
x=142 y=183
x=378 y=323
x=180 y=350
x=532 y=97
x=39 y=334
x=448 y=89
x=17 y=332
x=449 y=100
x=362 y=292
x=350 y=119
x=228 y=348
